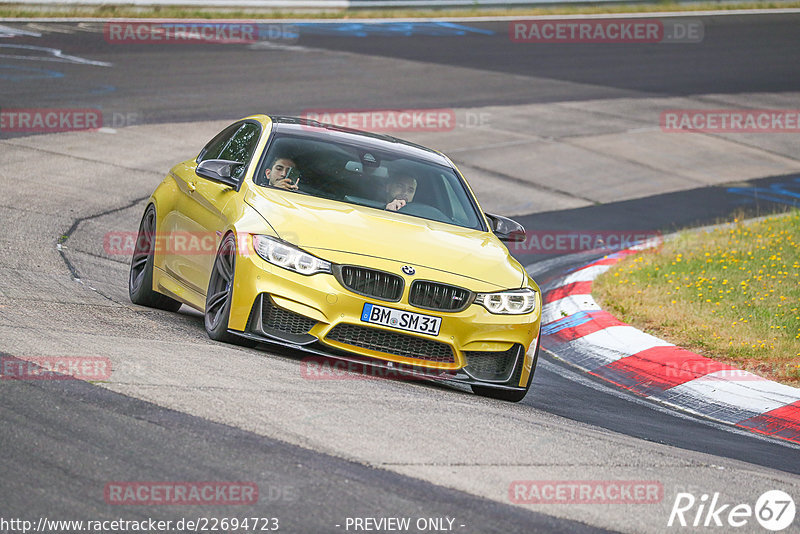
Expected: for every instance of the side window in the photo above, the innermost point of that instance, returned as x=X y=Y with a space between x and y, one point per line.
x=235 y=143
x=241 y=146
x=214 y=147
x=456 y=205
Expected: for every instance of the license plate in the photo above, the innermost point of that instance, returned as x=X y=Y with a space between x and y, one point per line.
x=402 y=320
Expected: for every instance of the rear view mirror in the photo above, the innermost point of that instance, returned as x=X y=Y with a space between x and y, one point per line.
x=220 y=170
x=506 y=229
x=354 y=166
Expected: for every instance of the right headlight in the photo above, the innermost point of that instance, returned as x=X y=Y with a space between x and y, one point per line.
x=512 y=302
x=288 y=256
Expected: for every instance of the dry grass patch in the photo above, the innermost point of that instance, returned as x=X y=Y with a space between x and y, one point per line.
x=731 y=294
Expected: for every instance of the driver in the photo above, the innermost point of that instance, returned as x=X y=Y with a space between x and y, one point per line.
x=400 y=191
x=278 y=171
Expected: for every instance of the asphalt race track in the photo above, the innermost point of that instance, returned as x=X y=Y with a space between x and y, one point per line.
x=561 y=136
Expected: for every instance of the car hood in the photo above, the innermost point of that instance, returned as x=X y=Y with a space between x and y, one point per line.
x=320 y=225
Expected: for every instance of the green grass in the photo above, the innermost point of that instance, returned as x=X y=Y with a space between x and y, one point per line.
x=23 y=10
x=732 y=294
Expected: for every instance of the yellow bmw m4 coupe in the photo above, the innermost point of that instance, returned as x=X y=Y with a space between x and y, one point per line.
x=343 y=244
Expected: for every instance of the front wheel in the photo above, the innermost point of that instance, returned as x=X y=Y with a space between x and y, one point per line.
x=220 y=295
x=140 y=279
x=507 y=394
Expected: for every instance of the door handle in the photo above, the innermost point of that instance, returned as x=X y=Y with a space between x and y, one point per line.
x=192 y=187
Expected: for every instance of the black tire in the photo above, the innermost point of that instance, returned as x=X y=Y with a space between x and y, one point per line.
x=140 y=278
x=220 y=293
x=506 y=394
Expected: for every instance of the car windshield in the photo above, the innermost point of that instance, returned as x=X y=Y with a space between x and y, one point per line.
x=368 y=176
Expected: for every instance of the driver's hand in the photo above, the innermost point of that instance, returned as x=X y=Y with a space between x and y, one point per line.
x=286 y=183
x=395 y=204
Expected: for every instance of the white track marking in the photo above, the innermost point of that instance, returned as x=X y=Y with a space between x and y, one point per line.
x=553 y=311
x=8 y=31
x=615 y=342
x=51 y=54
x=587 y=274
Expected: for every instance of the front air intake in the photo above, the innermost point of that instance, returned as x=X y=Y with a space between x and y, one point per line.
x=370 y=282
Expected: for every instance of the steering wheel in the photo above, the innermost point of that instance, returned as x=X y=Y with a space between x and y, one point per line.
x=424 y=210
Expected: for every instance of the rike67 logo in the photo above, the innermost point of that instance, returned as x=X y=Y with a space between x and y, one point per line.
x=774 y=510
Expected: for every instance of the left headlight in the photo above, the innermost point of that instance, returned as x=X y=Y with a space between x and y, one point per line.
x=513 y=302
x=288 y=256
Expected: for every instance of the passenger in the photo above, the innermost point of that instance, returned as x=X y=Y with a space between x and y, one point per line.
x=400 y=191
x=278 y=172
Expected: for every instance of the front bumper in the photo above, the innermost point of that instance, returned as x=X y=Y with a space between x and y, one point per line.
x=316 y=314
x=387 y=369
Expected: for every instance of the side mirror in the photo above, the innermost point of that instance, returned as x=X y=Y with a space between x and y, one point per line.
x=220 y=170
x=506 y=229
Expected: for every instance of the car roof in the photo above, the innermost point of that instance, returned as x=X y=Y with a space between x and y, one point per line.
x=373 y=141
